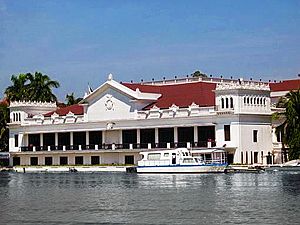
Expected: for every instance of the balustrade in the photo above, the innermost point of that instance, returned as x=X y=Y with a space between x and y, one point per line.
x=129 y=146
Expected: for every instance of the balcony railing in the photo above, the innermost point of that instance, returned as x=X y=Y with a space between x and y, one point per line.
x=160 y=145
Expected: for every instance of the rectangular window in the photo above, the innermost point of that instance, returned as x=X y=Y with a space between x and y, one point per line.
x=227 y=132
x=16 y=161
x=242 y=158
x=95 y=160
x=154 y=156
x=255 y=135
x=255 y=157
x=33 y=161
x=129 y=159
x=78 y=160
x=16 y=140
x=63 y=160
x=279 y=136
x=48 y=161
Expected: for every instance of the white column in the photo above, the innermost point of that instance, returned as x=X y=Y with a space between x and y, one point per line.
x=120 y=137
x=41 y=139
x=138 y=136
x=21 y=140
x=156 y=135
x=175 y=134
x=103 y=136
x=195 y=133
x=87 y=138
x=71 y=138
x=56 y=139
x=26 y=139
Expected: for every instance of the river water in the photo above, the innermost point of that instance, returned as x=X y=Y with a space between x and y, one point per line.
x=121 y=198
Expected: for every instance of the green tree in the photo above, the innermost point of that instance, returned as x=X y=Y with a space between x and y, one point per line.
x=18 y=90
x=290 y=128
x=198 y=74
x=40 y=87
x=29 y=87
x=4 y=119
x=71 y=100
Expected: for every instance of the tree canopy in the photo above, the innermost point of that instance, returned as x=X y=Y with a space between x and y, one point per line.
x=290 y=128
x=71 y=100
x=4 y=119
x=198 y=74
x=31 y=87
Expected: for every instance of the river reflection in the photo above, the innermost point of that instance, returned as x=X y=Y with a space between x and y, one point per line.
x=120 y=198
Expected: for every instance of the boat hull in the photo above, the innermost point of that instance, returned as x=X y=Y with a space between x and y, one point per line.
x=182 y=169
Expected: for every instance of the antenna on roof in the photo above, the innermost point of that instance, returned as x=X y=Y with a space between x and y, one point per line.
x=90 y=90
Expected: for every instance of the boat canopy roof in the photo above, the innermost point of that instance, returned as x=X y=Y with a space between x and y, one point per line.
x=203 y=151
x=166 y=151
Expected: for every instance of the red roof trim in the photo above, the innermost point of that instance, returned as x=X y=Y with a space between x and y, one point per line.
x=286 y=85
x=76 y=109
x=182 y=95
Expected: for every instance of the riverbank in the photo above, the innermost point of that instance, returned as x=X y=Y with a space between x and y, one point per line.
x=62 y=169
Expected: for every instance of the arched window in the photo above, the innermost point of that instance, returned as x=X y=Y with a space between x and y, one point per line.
x=227 y=105
x=222 y=103
x=245 y=100
x=19 y=116
x=251 y=100
x=248 y=100
x=264 y=101
x=261 y=101
x=231 y=102
x=14 y=117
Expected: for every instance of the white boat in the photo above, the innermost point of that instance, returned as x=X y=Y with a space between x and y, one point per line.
x=293 y=165
x=181 y=160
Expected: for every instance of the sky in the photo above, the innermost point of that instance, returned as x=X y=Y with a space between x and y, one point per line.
x=80 y=42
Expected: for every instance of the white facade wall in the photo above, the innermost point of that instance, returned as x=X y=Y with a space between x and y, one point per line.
x=111 y=105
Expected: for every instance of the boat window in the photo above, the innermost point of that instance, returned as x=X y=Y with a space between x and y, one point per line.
x=166 y=155
x=153 y=156
x=191 y=160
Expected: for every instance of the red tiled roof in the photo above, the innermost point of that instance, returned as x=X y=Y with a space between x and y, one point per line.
x=4 y=101
x=76 y=109
x=182 y=95
x=286 y=85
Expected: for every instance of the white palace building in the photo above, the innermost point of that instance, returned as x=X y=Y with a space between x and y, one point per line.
x=116 y=121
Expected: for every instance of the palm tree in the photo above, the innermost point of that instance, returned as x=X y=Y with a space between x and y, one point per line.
x=71 y=100
x=18 y=90
x=290 y=128
x=4 y=119
x=40 y=87
x=28 y=87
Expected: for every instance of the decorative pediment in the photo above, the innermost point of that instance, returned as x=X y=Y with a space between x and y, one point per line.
x=70 y=117
x=55 y=118
x=154 y=112
x=154 y=108
x=193 y=109
x=173 y=109
x=39 y=118
x=110 y=83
